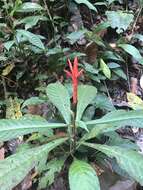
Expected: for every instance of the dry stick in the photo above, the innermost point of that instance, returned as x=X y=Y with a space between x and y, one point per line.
x=128 y=80
x=4 y=88
x=135 y=22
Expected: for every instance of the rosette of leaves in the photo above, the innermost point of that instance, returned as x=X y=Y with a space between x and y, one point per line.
x=78 y=137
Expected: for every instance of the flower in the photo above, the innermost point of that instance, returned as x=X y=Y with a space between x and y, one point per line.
x=74 y=74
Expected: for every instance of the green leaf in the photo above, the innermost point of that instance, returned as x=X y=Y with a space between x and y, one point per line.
x=132 y=51
x=100 y=27
x=116 y=140
x=59 y=96
x=113 y=121
x=30 y=21
x=138 y=36
x=120 y=73
x=119 y=19
x=92 y=36
x=103 y=102
x=32 y=101
x=129 y=160
x=134 y=101
x=113 y=65
x=12 y=128
x=86 y=94
x=29 y=7
x=75 y=36
x=9 y=44
x=109 y=55
x=29 y=36
x=82 y=176
x=89 y=68
x=54 y=166
x=14 y=168
x=105 y=69
x=82 y=125
x=96 y=130
x=121 y=117
x=87 y=3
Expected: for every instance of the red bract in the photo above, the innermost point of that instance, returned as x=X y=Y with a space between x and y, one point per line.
x=74 y=74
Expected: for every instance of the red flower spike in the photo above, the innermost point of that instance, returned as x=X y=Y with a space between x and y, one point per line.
x=74 y=74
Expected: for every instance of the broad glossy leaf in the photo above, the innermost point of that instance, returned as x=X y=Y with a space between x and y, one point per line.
x=14 y=168
x=103 y=102
x=109 y=55
x=29 y=36
x=30 y=21
x=12 y=128
x=89 y=68
x=133 y=51
x=29 y=7
x=86 y=94
x=131 y=161
x=120 y=73
x=82 y=176
x=87 y=3
x=119 y=19
x=59 y=96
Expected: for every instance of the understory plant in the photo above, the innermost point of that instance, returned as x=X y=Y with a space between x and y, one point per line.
x=72 y=140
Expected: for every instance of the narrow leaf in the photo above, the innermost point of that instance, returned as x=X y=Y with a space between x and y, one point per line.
x=105 y=69
x=12 y=128
x=121 y=118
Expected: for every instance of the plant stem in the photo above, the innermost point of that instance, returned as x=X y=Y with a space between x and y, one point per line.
x=51 y=19
x=74 y=129
x=135 y=22
x=4 y=88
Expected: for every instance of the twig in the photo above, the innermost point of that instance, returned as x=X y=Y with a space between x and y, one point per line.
x=127 y=70
x=4 y=88
x=135 y=22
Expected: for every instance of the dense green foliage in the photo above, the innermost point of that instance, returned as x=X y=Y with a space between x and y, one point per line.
x=36 y=39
